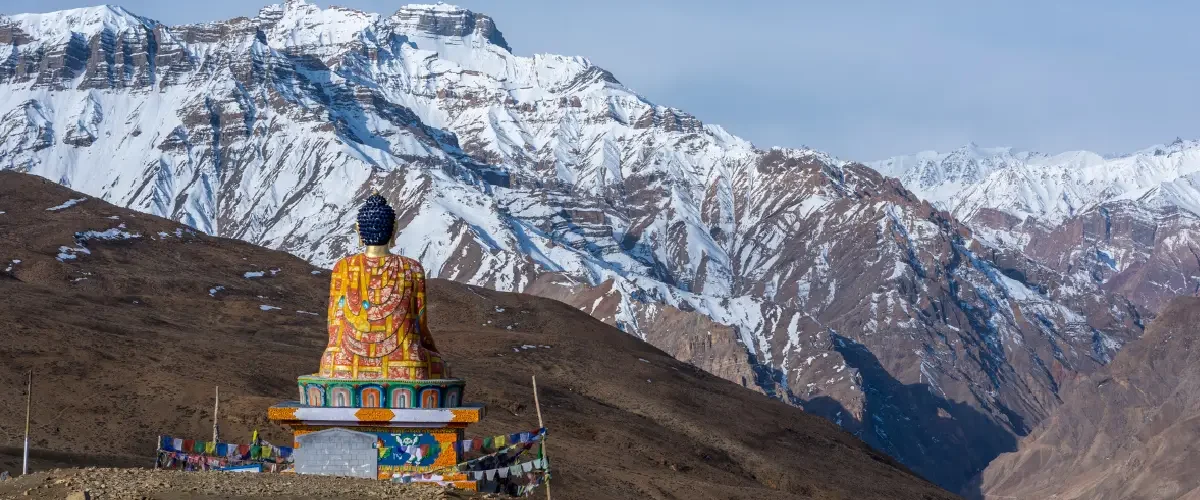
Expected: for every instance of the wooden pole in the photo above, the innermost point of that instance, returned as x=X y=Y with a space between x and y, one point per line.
x=28 y=409
x=216 y=406
x=538 y=406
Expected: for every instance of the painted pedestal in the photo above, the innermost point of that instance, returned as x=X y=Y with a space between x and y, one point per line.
x=415 y=422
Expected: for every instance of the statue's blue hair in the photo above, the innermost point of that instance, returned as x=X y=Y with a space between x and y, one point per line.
x=376 y=219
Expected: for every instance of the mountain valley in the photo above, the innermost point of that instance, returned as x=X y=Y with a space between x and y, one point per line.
x=939 y=307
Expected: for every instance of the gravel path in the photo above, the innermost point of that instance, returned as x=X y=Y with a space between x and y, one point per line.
x=104 y=484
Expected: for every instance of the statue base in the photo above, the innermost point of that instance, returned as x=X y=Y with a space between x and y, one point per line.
x=383 y=443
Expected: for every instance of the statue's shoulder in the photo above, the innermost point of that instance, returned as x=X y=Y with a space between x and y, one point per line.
x=343 y=262
x=412 y=263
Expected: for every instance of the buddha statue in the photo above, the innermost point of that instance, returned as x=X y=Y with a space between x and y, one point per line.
x=377 y=324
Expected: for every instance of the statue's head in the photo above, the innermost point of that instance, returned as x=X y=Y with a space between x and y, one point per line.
x=376 y=221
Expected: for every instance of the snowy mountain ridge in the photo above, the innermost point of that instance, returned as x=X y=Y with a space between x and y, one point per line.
x=815 y=280
x=1051 y=188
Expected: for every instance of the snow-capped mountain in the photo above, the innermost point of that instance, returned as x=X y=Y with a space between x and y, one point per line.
x=1130 y=223
x=1052 y=188
x=818 y=281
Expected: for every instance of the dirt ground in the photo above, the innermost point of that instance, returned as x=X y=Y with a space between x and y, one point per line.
x=163 y=484
x=128 y=340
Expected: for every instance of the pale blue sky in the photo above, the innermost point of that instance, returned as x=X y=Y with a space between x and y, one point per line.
x=859 y=79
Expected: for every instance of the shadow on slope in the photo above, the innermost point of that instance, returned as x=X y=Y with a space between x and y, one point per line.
x=913 y=424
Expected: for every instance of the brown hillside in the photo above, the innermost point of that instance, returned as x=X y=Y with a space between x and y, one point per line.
x=127 y=343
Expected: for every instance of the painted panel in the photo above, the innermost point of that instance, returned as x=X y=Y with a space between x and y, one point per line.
x=316 y=395
x=401 y=397
x=429 y=398
x=340 y=397
x=371 y=397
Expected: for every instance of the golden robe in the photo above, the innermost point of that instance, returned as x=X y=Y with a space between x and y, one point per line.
x=377 y=327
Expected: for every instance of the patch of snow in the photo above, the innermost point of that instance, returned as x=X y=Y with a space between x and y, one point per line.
x=109 y=234
x=265 y=307
x=66 y=205
x=68 y=253
x=253 y=274
x=212 y=292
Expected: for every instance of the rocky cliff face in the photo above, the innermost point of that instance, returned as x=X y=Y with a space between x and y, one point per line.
x=1127 y=431
x=819 y=282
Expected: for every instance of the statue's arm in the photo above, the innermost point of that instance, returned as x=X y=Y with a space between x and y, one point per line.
x=422 y=322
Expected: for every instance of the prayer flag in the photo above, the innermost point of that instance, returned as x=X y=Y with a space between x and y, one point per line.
x=165 y=443
x=515 y=470
x=527 y=466
x=503 y=472
x=514 y=438
x=501 y=441
x=478 y=475
x=188 y=445
x=489 y=443
x=210 y=448
x=255 y=451
x=177 y=444
x=491 y=474
x=199 y=447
